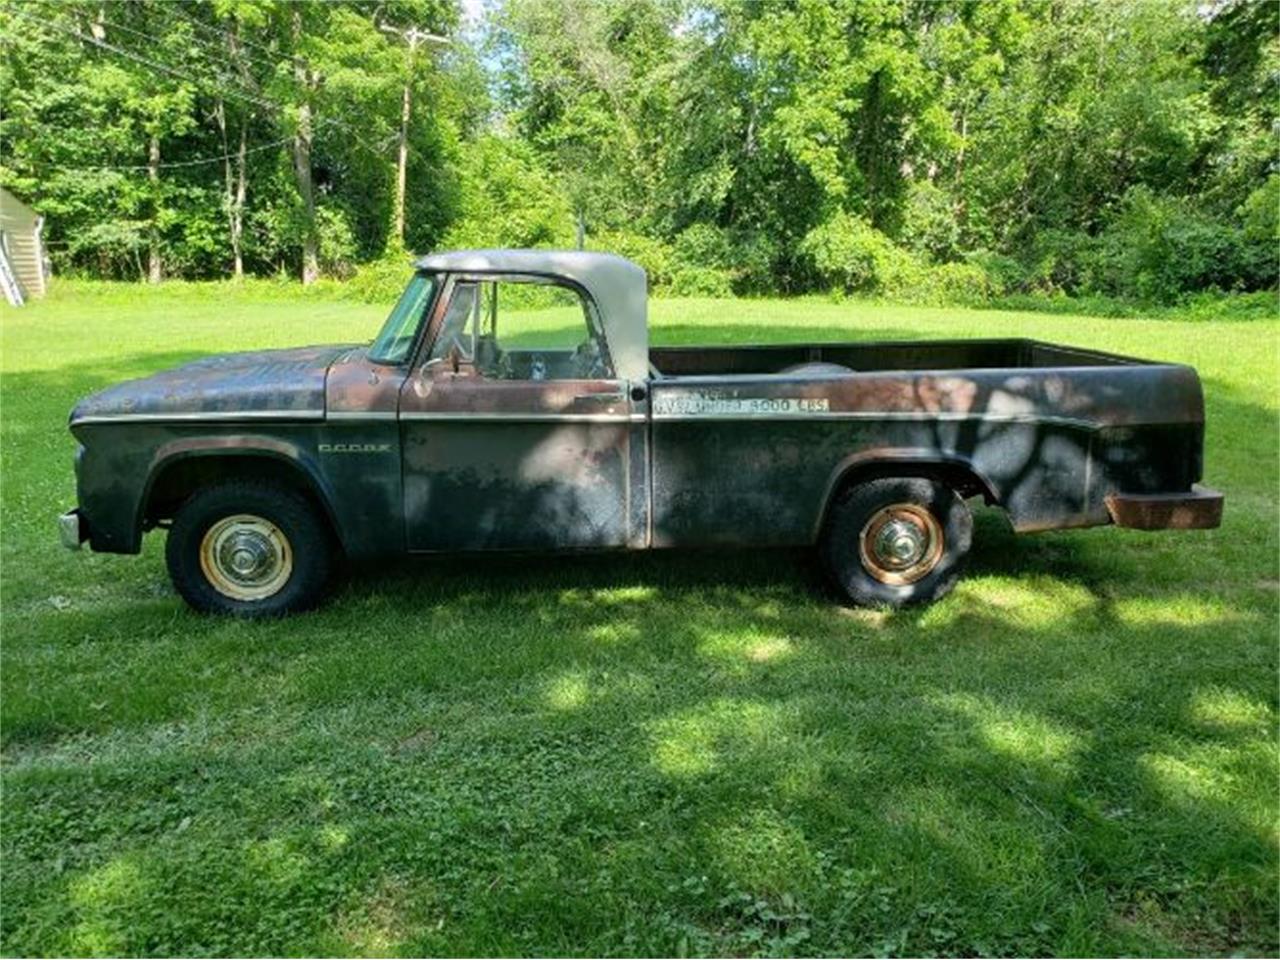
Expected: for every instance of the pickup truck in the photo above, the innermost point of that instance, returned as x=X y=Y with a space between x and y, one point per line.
x=511 y=401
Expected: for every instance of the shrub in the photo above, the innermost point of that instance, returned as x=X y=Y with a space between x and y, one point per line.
x=753 y=261
x=1260 y=214
x=846 y=252
x=701 y=282
x=381 y=280
x=1060 y=261
x=929 y=225
x=1260 y=235
x=849 y=255
x=1158 y=248
x=1213 y=305
x=1003 y=273
x=703 y=245
x=657 y=258
x=960 y=283
x=337 y=252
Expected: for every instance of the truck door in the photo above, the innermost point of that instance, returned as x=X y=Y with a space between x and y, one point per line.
x=515 y=432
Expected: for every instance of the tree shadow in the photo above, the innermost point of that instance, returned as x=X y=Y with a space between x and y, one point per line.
x=588 y=761
x=691 y=752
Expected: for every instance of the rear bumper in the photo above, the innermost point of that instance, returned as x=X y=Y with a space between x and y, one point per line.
x=1198 y=509
x=72 y=530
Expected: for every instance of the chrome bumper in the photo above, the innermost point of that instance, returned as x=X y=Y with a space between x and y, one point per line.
x=72 y=530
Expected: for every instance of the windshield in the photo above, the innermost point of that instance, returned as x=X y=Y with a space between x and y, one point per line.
x=395 y=340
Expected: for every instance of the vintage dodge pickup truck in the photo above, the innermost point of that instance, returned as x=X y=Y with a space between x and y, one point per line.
x=511 y=401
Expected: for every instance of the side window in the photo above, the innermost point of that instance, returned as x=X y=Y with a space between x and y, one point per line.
x=457 y=332
x=517 y=328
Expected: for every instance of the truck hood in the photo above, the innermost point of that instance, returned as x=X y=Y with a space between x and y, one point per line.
x=260 y=383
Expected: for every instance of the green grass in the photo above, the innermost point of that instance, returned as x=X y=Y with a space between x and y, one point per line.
x=1075 y=753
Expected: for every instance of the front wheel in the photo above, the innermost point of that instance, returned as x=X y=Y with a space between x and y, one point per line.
x=897 y=541
x=249 y=550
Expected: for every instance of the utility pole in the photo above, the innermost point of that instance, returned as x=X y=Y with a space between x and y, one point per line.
x=413 y=38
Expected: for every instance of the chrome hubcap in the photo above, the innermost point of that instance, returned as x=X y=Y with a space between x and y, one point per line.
x=246 y=557
x=900 y=543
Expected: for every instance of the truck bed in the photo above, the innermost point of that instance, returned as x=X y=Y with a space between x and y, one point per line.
x=878 y=356
x=1046 y=431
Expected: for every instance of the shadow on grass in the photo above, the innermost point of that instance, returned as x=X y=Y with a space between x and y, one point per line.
x=654 y=754
x=644 y=754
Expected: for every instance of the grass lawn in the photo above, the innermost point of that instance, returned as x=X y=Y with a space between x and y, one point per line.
x=1074 y=753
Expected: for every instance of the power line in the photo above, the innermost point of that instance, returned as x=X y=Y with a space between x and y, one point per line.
x=207 y=49
x=203 y=47
x=174 y=9
x=231 y=86
x=270 y=105
x=207 y=46
x=211 y=46
x=138 y=58
x=169 y=166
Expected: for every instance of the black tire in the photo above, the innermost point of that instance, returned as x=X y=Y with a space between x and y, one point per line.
x=862 y=510
x=306 y=543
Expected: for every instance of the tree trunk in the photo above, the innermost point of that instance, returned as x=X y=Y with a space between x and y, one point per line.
x=302 y=162
x=403 y=159
x=960 y=211
x=236 y=197
x=302 y=173
x=237 y=209
x=153 y=241
x=228 y=195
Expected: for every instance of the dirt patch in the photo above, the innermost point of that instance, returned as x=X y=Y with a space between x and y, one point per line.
x=418 y=742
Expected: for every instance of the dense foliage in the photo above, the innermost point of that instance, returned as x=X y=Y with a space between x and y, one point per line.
x=928 y=150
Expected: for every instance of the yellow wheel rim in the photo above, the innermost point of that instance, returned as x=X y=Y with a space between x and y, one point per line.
x=246 y=557
x=900 y=544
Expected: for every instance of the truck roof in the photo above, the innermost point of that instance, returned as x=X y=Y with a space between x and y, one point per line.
x=618 y=287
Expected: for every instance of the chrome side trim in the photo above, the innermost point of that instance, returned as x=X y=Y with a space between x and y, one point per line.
x=225 y=416
x=219 y=416
x=347 y=416
x=881 y=415
x=417 y=416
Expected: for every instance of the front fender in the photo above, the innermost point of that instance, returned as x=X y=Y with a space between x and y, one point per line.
x=119 y=464
x=291 y=455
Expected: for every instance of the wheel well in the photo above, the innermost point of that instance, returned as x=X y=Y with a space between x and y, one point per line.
x=959 y=476
x=181 y=478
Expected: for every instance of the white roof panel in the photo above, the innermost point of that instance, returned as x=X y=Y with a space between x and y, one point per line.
x=618 y=287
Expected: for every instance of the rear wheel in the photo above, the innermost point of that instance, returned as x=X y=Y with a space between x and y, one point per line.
x=249 y=550
x=897 y=541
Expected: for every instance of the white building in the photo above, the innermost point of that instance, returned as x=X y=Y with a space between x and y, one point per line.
x=24 y=269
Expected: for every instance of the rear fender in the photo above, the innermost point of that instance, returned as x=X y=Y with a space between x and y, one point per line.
x=958 y=472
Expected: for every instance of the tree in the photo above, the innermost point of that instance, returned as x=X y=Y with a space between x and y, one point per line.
x=1065 y=145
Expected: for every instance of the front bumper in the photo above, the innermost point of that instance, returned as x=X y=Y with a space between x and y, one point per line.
x=1198 y=509
x=72 y=530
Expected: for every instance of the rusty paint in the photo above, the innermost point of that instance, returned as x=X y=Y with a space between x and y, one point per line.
x=1198 y=509
x=728 y=444
x=284 y=383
